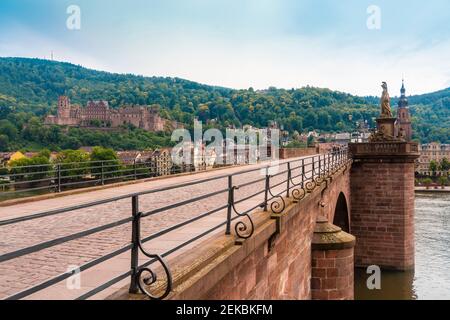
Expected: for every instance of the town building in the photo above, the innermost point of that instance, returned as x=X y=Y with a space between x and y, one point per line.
x=342 y=138
x=160 y=162
x=133 y=156
x=429 y=152
x=98 y=113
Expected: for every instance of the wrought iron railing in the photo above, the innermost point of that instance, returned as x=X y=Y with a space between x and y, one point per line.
x=22 y=181
x=294 y=179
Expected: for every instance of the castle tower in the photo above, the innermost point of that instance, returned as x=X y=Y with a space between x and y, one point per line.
x=63 y=107
x=403 y=116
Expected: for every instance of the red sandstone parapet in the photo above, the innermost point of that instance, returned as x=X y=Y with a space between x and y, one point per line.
x=286 y=153
x=390 y=150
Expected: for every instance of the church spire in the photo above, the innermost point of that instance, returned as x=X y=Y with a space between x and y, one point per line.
x=403 y=90
x=403 y=101
x=403 y=116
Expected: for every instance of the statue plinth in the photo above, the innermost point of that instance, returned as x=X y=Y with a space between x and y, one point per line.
x=386 y=131
x=386 y=126
x=383 y=151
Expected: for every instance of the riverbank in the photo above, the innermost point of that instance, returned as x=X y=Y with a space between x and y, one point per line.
x=431 y=189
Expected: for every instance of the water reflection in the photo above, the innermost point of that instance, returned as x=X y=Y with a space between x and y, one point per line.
x=431 y=278
x=394 y=286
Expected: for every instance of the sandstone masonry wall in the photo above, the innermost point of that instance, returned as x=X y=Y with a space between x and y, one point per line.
x=332 y=274
x=382 y=197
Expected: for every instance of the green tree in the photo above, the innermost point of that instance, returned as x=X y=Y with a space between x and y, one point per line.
x=4 y=142
x=323 y=120
x=311 y=141
x=296 y=144
x=74 y=165
x=433 y=167
x=28 y=169
x=8 y=129
x=106 y=158
x=443 y=180
x=444 y=165
x=44 y=153
x=427 y=182
x=310 y=120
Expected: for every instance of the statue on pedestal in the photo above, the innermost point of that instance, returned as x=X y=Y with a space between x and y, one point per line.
x=385 y=122
x=385 y=102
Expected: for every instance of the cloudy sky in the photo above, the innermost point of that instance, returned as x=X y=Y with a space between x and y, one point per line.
x=244 y=43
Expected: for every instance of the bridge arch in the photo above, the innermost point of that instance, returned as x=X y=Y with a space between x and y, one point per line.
x=341 y=213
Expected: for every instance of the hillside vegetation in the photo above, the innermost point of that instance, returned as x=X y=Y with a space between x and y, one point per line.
x=29 y=89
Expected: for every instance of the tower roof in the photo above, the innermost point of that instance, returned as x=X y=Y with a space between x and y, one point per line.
x=403 y=102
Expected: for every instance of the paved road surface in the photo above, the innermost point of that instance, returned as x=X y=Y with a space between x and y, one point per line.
x=24 y=272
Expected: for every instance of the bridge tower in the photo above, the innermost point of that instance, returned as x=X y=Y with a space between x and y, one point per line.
x=382 y=197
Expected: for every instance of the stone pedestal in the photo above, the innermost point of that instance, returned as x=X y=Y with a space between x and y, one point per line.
x=332 y=274
x=382 y=198
x=386 y=126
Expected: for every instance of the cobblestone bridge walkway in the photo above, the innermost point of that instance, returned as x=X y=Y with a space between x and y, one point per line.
x=24 y=272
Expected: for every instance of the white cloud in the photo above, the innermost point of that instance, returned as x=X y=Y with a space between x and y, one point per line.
x=24 y=42
x=242 y=63
x=291 y=62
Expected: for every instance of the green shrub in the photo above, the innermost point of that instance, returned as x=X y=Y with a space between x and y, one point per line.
x=110 y=161
x=27 y=169
x=74 y=164
x=427 y=181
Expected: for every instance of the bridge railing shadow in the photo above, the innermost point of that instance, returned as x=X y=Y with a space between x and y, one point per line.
x=268 y=191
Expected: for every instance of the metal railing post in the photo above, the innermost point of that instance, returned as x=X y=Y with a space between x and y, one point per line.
x=230 y=204
x=266 y=189
x=334 y=160
x=288 y=179
x=313 y=168
x=320 y=165
x=59 y=176
x=135 y=236
x=328 y=164
x=303 y=173
x=103 y=175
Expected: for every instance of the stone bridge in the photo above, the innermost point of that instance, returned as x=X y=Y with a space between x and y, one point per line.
x=299 y=245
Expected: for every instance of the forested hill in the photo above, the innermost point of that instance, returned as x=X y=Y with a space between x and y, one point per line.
x=30 y=87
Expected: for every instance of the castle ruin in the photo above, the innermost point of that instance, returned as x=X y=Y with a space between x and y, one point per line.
x=98 y=113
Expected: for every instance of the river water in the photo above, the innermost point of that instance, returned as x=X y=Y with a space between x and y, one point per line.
x=431 y=277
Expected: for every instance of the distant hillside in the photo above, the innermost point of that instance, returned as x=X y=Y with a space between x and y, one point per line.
x=30 y=87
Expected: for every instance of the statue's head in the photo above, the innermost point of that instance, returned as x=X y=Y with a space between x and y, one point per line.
x=384 y=85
